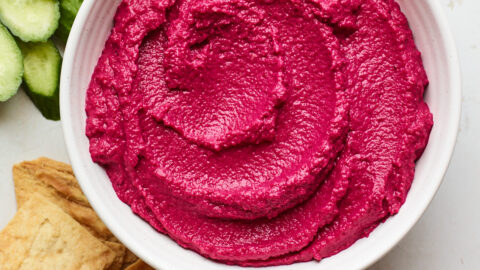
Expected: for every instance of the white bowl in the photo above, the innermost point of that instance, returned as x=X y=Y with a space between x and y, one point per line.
x=434 y=40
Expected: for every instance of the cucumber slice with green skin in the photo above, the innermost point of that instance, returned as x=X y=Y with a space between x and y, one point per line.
x=42 y=63
x=11 y=65
x=30 y=20
x=68 y=12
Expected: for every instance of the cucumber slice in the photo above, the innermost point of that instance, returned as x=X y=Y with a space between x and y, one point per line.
x=68 y=11
x=11 y=65
x=30 y=20
x=42 y=63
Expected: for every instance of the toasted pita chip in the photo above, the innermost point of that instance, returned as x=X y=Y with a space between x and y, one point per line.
x=42 y=236
x=139 y=265
x=119 y=250
x=56 y=181
x=129 y=259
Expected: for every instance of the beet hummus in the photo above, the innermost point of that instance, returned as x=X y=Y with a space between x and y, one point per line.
x=260 y=132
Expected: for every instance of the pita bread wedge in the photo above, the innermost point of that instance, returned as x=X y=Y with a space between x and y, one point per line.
x=42 y=236
x=56 y=181
x=139 y=265
x=119 y=250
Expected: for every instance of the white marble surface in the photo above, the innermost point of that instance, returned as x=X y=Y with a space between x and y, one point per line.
x=446 y=237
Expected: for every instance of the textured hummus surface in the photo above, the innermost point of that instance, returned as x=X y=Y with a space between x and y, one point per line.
x=260 y=132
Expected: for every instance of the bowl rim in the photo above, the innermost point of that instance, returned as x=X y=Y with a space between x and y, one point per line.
x=442 y=163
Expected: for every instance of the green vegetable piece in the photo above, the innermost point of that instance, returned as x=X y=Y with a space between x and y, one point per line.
x=30 y=20
x=68 y=11
x=42 y=63
x=11 y=65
